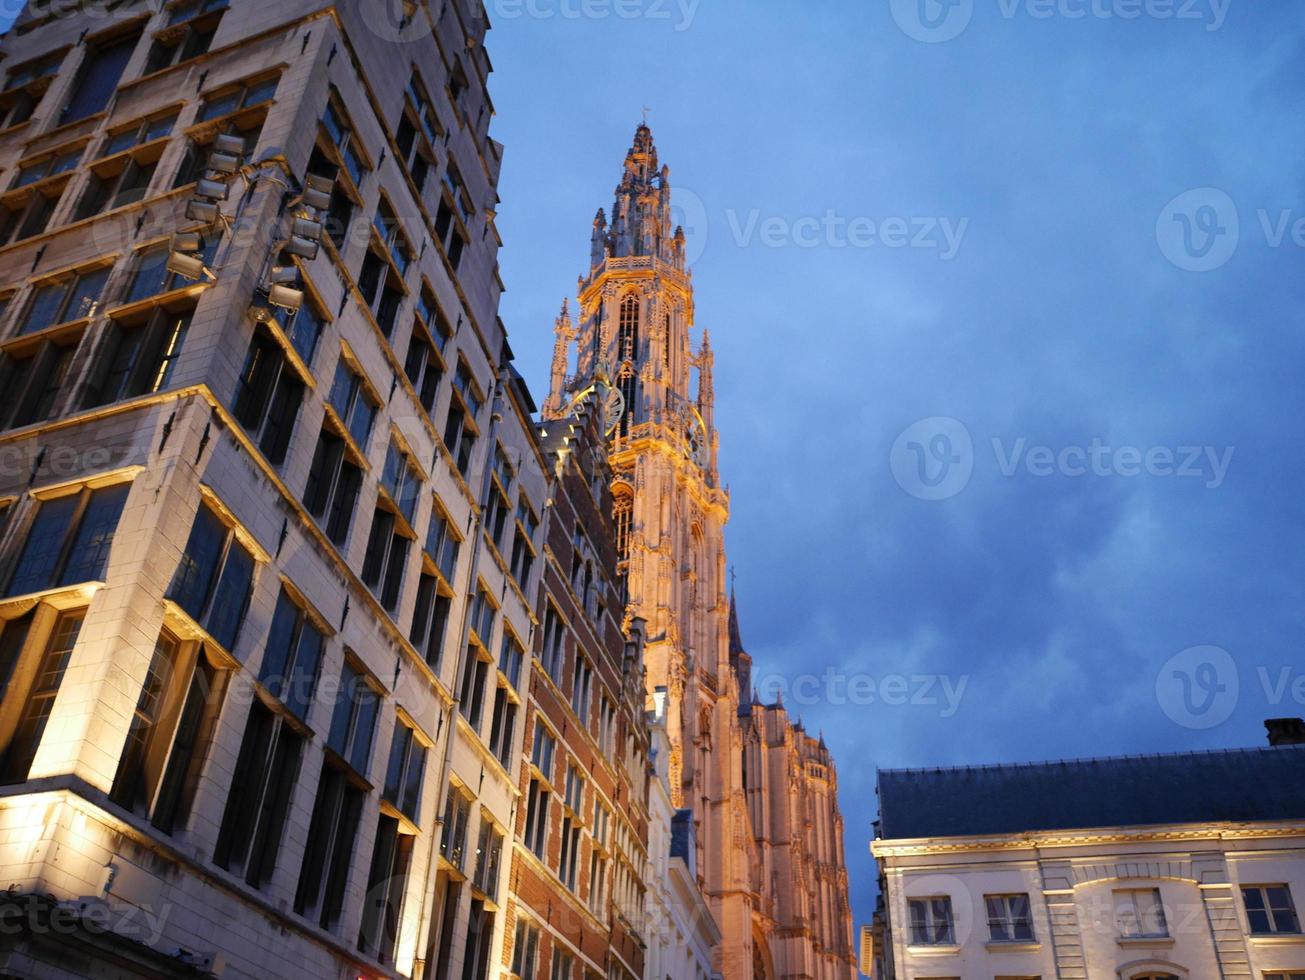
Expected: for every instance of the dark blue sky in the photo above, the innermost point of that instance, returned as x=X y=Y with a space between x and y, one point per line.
x=1053 y=604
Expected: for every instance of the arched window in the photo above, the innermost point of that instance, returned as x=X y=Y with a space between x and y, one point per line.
x=622 y=519
x=669 y=339
x=627 y=338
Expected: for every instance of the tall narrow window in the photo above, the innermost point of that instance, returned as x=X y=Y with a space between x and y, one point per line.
x=139 y=357
x=265 y=776
x=292 y=657
x=430 y=619
x=405 y=771
x=178 y=704
x=453 y=841
x=17 y=762
x=525 y=950
x=334 y=481
x=353 y=403
x=552 y=651
x=97 y=79
x=269 y=396
x=69 y=540
x=332 y=833
x=385 y=560
x=387 y=884
x=622 y=520
x=70 y=297
x=627 y=338
x=489 y=855
x=215 y=577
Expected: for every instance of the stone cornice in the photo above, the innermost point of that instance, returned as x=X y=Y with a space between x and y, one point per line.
x=1087 y=837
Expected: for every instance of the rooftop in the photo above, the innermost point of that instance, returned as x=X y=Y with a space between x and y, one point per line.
x=1230 y=786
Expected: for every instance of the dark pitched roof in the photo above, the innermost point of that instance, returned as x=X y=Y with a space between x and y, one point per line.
x=1239 y=785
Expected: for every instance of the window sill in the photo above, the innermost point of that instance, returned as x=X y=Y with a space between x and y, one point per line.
x=931 y=950
x=1012 y=946
x=1278 y=939
x=1133 y=942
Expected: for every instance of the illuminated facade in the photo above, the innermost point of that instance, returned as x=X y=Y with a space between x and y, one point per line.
x=1173 y=867
x=635 y=354
x=272 y=497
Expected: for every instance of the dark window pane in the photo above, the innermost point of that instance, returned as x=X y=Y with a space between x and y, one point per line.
x=97 y=79
x=39 y=561
x=90 y=549
x=231 y=598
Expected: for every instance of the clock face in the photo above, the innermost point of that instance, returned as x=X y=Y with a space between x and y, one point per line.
x=695 y=433
x=613 y=410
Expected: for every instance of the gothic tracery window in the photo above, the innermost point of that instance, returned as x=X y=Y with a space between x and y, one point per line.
x=622 y=518
x=627 y=337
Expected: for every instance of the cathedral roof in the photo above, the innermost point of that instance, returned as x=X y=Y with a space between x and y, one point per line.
x=1237 y=786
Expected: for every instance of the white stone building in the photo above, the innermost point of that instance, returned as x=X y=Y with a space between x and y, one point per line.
x=1177 y=867
x=681 y=930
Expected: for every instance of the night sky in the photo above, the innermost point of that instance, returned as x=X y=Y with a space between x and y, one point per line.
x=1006 y=300
x=892 y=231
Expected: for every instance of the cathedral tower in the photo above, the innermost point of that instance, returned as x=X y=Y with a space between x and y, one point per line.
x=635 y=352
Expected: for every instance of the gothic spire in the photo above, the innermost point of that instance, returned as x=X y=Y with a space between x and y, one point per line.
x=641 y=214
x=736 y=639
x=564 y=332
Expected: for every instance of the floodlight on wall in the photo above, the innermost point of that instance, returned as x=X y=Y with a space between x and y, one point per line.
x=283 y=275
x=285 y=297
x=308 y=229
x=205 y=212
x=188 y=266
x=302 y=248
x=187 y=241
x=212 y=190
x=317 y=192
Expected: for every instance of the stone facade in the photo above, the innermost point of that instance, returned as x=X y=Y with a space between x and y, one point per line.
x=635 y=355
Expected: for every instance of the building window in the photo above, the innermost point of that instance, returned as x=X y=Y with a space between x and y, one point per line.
x=536 y=837
x=48 y=165
x=302 y=327
x=120 y=180
x=460 y=431
x=627 y=339
x=386 y=558
x=240 y=97
x=489 y=856
x=1269 y=910
x=503 y=725
x=387 y=883
x=268 y=396
x=266 y=773
x=552 y=651
x=453 y=841
x=403 y=774
x=69 y=540
x=328 y=853
x=430 y=620
x=1139 y=914
x=569 y=859
x=24 y=86
x=1009 y=918
x=1293 y=975
x=151 y=276
x=471 y=696
x=188 y=34
x=931 y=922
x=353 y=403
x=72 y=297
x=138 y=133
x=581 y=689
x=496 y=515
x=39 y=702
x=607 y=727
x=622 y=520
x=418 y=132
x=292 y=656
x=175 y=715
x=423 y=367
x=378 y=283
x=442 y=543
x=523 y=549
x=353 y=722
x=342 y=138
x=510 y=658
x=334 y=481
x=26 y=213
x=139 y=356
x=97 y=78
x=563 y=965
x=525 y=951
x=36 y=377
x=215 y=577
x=402 y=481
x=542 y=749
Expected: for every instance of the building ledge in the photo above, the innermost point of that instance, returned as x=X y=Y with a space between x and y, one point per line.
x=1006 y=946
x=948 y=950
x=1278 y=939
x=1136 y=941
